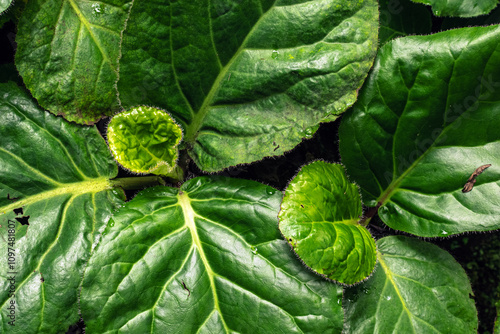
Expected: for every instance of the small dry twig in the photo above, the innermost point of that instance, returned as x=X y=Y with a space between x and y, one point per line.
x=472 y=179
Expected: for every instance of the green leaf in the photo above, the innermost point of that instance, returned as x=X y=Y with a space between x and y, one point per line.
x=416 y=288
x=402 y=18
x=54 y=176
x=319 y=217
x=247 y=79
x=496 y=328
x=461 y=8
x=145 y=140
x=4 y=4
x=456 y=22
x=68 y=55
x=425 y=120
x=207 y=258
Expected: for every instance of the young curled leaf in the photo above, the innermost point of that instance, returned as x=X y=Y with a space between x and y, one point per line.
x=319 y=217
x=145 y=140
x=4 y=4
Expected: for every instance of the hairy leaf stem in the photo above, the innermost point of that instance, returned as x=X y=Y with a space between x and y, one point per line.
x=135 y=183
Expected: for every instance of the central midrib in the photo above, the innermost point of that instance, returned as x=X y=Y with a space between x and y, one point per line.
x=388 y=274
x=192 y=129
x=394 y=185
x=77 y=188
x=86 y=23
x=189 y=217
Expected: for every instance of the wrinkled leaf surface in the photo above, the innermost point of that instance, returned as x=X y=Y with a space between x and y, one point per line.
x=247 y=79
x=68 y=54
x=319 y=217
x=145 y=140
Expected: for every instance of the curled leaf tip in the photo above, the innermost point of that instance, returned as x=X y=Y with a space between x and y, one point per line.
x=145 y=140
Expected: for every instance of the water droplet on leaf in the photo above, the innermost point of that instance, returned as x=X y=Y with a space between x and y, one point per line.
x=270 y=190
x=254 y=249
x=307 y=133
x=98 y=8
x=275 y=54
x=444 y=232
x=388 y=297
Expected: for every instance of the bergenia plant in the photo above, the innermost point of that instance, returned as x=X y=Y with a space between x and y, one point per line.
x=120 y=141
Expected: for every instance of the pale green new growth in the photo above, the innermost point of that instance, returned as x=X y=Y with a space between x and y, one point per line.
x=4 y=4
x=145 y=140
x=319 y=217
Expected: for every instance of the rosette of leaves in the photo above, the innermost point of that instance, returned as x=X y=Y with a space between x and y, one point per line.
x=205 y=258
x=425 y=121
x=144 y=140
x=319 y=217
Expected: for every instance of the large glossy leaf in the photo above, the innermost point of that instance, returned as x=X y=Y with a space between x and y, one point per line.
x=402 y=18
x=461 y=8
x=206 y=258
x=247 y=79
x=55 y=197
x=319 y=217
x=426 y=119
x=416 y=288
x=68 y=55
